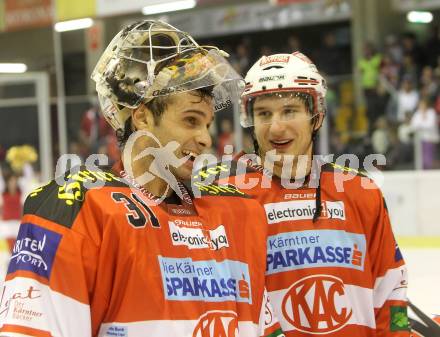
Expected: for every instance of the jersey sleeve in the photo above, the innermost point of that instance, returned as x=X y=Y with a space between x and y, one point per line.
x=52 y=268
x=390 y=277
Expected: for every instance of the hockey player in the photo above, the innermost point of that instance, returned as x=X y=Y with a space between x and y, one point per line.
x=333 y=266
x=106 y=255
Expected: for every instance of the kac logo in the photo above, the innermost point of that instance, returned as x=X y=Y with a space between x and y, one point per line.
x=317 y=304
x=217 y=324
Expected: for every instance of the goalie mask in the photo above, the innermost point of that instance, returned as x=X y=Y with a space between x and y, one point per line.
x=149 y=59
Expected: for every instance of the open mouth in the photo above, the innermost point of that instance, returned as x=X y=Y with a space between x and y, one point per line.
x=280 y=144
x=192 y=155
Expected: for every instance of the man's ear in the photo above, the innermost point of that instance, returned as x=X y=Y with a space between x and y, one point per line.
x=142 y=118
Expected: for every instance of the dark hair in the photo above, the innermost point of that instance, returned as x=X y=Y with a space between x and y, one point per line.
x=158 y=106
x=305 y=98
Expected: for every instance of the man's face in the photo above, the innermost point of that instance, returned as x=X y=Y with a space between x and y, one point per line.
x=186 y=120
x=282 y=123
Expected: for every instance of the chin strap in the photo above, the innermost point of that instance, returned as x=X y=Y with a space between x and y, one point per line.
x=318 y=202
x=254 y=140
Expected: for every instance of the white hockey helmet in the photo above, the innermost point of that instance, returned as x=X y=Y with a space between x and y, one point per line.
x=151 y=58
x=283 y=73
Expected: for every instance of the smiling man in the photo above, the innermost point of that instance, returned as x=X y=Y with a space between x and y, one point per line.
x=271 y=111
x=183 y=129
x=333 y=266
x=140 y=256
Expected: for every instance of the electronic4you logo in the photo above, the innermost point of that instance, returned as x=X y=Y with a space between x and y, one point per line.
x=317 y=304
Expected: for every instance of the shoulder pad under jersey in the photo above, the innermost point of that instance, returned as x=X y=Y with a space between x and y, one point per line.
x=205 y=180
x=222 y=170
x=61 y=199
x=333 y=167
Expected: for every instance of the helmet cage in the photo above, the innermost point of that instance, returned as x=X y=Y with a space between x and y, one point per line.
x=313 y=101
x=152 y=58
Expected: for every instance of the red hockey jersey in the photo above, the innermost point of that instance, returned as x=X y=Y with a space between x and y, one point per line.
x=103 y=261
x=340 y=275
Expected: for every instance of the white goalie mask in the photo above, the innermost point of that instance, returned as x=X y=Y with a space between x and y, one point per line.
x=151 y=58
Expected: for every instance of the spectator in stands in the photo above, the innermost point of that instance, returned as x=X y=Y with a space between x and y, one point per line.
x=411 y=48
x=409 y=69
x=266 y=50
x=11 y=206
x=2 y=153
x=369 y=66
x=93 y=128
x=11 y=199
x=112 y=148
x=329 y=57
x=437 y=68
x=78 y=148
x=407 y=99
x=389 y=69
x=21 y=160
x=432 y=46
x=382 y=103
x=393 y=49
x=293 y=44
x=428 y=83
x=424 y=123
x=226 y=135
x=241 y=59
x=380 y=140
x=436 y=71
x=332 y=103
x=2 y=182
x=402 y=153
x=337 y=142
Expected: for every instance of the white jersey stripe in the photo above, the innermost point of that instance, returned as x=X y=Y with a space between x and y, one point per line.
x=29 y=303
x=391 y=286
x=174 y=328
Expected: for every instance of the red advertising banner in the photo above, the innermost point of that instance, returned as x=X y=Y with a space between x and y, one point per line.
x=20 y=14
